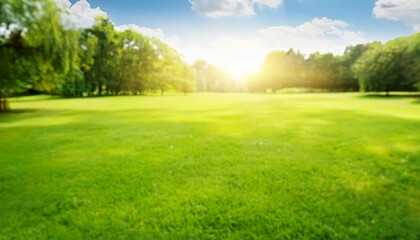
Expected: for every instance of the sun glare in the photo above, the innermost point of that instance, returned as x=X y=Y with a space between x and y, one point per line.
x=240 y=58
x=240 y=69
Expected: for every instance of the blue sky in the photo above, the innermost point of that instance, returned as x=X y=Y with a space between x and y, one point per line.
x=217 y=30
x=176 y=16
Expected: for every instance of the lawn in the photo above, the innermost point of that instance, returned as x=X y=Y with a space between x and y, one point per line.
x=211 y=166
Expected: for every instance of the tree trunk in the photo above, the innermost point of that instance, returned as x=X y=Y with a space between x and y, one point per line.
x=92 y=90
x=100 y=89
x=4 y=105
x=161 y=91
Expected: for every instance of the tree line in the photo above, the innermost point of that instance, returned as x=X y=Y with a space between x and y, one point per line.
x=372 y=67
x=210 y=78
x=40 y=53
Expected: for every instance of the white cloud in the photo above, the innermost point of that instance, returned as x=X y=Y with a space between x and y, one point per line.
x=80 y=14
x=150 y=32
x=225 y=8
x=269 y=3
x=157 y=33
x=320 y=34
x=407 y=11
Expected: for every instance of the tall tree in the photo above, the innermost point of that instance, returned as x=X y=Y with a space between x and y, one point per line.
x=104 y=69
x=167 y=65
x=86 y=59
x=135 y=64
x=31 y=45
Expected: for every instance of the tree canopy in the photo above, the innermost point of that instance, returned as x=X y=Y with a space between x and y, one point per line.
x=40 y=53
x=392 y=66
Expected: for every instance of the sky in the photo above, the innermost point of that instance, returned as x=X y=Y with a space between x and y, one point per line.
x=238 y=34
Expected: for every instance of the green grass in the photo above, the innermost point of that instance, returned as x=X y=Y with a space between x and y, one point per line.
x=211 y=166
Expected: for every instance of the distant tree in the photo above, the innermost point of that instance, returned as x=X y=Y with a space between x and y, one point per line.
x=200 y=71
x=167 y=68
x=128 y=61
x=281 y=69
x=88 y=43
x=104 y=68
x=210 y=78
x=72 y=79
x=347 y=81
x=186 y=80
x=411 y=62
x=392 y=66
x=323 y=72
x=136 y=63
x=254 y=83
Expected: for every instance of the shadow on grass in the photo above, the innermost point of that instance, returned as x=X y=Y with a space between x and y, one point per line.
x=19 y=111
x=417 y=101
x=392 y=96
x=34 y=98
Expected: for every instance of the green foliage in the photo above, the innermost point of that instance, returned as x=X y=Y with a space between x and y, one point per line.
x=323 y=71
x=347 y=79
x=282 y=70
x=134 y=63
x=211 y=166
x=44 y=55
x=186 y=79
x=30 y=56
x=291 y=70
x=392 y=66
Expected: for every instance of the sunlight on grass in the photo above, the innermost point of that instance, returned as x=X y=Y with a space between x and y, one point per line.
x=211 y=166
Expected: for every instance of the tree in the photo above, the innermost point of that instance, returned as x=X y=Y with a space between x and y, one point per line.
x=411 y=71
x=186 y=79
x=136 y=63
x=347 y=81
x=392 y=66
x=42 y=52
x=104 y=68
x=253 y=83
x=282 y=69
x=168 y=68
x=323 y=71
x=86 y=59
x=210 y=78
x=200 y=70
x=27 y=51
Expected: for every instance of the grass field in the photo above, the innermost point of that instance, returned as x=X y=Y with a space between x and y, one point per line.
x=211 y=166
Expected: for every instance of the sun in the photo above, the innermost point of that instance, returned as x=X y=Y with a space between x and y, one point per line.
x=241 y=68
x=238 y=58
